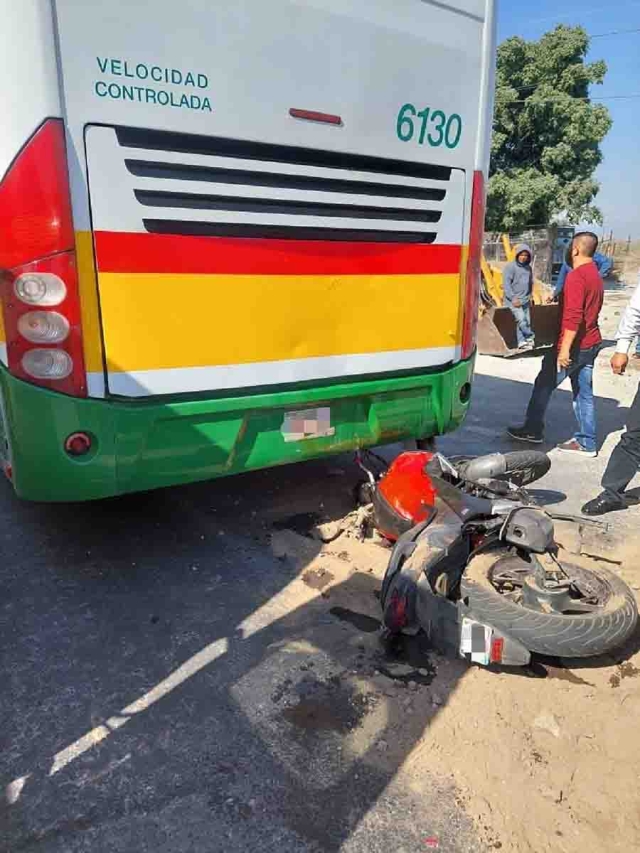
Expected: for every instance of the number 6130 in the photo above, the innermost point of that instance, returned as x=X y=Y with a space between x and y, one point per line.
x=433 y=127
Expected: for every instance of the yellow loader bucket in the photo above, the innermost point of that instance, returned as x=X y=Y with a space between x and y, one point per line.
x=496 y=326
x=497 y=329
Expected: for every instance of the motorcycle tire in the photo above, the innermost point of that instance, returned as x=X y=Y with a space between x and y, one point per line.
x=578 y=635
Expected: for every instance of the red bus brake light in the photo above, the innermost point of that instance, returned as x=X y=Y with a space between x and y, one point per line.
x=35 y=208
x=38 y=277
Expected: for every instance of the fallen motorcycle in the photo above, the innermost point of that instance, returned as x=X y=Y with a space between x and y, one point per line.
x=476 y=567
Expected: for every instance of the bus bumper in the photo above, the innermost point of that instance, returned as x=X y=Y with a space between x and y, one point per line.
x=140 y=445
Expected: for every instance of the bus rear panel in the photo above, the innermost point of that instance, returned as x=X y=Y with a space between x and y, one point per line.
x=251 y=235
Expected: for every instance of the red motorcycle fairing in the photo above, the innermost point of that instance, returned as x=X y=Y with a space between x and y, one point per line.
x=405 y=495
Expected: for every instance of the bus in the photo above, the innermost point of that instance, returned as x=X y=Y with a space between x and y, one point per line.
x=235 y=234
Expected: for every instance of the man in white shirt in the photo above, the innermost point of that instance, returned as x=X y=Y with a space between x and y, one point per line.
x=625 y=459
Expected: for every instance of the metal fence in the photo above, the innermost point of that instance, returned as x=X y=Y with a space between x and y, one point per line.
x=548 y=251
x=539 y=239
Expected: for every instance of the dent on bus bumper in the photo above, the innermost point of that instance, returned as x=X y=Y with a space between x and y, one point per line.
x=150 y=444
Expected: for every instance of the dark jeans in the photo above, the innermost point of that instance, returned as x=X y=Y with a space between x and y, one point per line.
x=625 y=459
x=581 y=374
x=522 y=316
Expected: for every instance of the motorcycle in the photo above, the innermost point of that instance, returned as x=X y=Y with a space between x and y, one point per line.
x=476 y=567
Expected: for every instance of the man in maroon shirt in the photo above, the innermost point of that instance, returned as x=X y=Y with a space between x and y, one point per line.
x=574 y=353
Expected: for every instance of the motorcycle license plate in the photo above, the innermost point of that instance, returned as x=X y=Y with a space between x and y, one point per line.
x=476 y=641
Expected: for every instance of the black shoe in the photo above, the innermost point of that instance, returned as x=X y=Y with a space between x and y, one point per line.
x=604 y=503
x=523 y=434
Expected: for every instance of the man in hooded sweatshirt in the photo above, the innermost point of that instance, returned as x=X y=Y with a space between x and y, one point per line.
x=517 y=284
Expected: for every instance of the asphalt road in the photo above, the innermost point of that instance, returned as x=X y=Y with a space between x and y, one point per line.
x=163 y=692
x=501 y=392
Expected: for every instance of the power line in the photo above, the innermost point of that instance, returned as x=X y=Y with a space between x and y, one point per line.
x=612 y=97
x=614 y=33
x=604 y=35
x=576 y=98
x=539 y=84
x=590 y=11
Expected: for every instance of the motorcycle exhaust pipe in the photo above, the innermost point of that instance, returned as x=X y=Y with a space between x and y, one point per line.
x=520 y=467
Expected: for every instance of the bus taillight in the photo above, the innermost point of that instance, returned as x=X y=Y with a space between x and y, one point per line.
x=40 y=288
x=35 y=207
x=38 y=275
x=472 y=277
x=42 y=322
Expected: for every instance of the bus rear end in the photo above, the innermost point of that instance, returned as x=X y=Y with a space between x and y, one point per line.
x=237 y=234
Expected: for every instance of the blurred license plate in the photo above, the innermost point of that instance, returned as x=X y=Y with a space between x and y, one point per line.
x=475 y=642
x=307 y=423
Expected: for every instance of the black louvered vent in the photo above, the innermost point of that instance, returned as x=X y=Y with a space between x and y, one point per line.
x=252 y=189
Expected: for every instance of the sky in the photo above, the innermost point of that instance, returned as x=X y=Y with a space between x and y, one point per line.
x=619 y=173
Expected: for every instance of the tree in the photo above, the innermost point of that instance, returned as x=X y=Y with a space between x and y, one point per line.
x=546 y=132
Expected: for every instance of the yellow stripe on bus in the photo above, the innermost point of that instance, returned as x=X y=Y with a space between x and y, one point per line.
x=2 y=331
x=153 y=321
x=92 y=342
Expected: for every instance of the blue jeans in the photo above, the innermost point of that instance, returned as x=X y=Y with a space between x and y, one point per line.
x=522 y=316
x=581 y=374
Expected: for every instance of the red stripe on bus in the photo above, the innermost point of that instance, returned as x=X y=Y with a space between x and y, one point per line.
x=165 y=253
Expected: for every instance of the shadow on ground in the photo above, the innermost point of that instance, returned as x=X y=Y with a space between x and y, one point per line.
x=498 y=403
x=165 y=691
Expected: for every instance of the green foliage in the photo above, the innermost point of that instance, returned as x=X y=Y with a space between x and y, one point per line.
x=546 y=133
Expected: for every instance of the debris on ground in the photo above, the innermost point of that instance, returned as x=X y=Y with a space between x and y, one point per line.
x=357 y=524
x=537 y=762
x=547 y=723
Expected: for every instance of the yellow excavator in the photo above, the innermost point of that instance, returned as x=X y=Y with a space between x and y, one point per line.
x=496 y=326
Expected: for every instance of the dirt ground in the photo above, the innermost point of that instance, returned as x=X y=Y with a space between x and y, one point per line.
x=200 y=669
x=542 y=760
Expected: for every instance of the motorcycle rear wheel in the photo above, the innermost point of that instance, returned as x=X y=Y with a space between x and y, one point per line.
x=574 y=635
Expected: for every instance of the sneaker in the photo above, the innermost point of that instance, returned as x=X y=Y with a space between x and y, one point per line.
x=574 y=446
x=526 y=346
x=523 y=434
x=605 y=502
